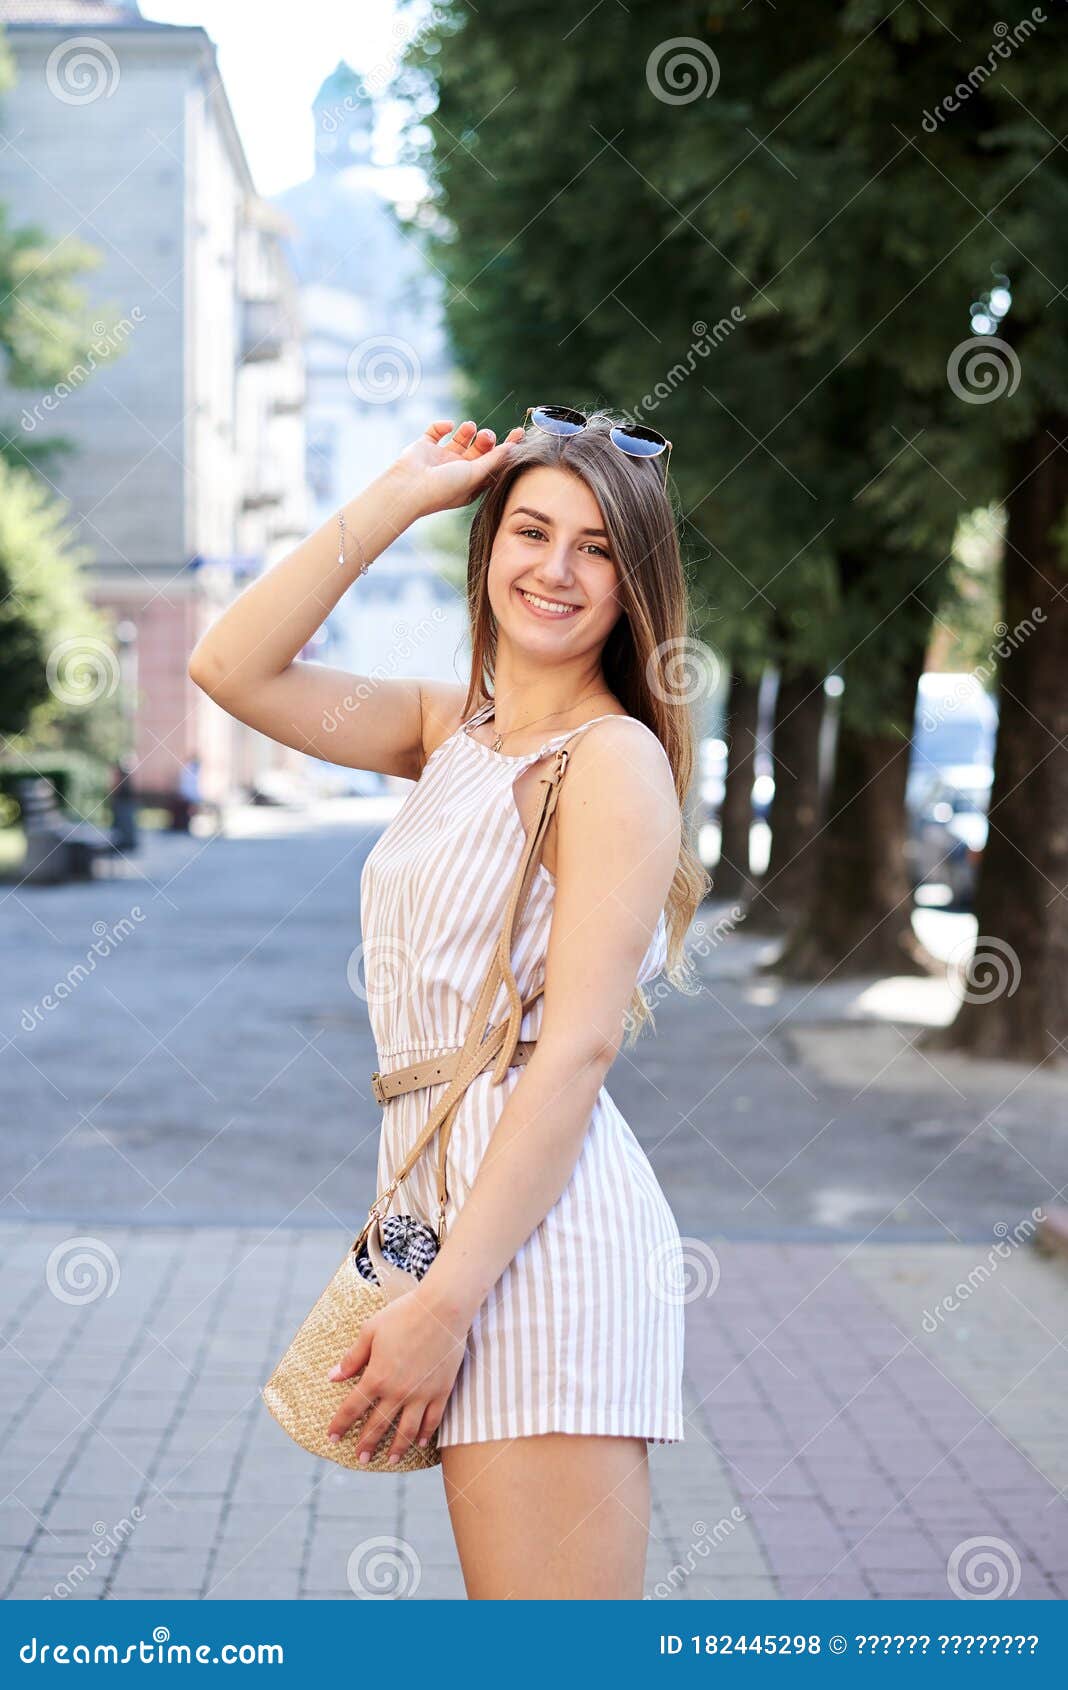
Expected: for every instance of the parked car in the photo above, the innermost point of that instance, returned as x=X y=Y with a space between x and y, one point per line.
x=947 y=794
x=947 y=829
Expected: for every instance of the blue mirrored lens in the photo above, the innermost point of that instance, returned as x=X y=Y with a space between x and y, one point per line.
x=558 y=419
x=639 y=442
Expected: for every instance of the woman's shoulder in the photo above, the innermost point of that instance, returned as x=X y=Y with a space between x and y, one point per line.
x=617 y=731
x=626 y=750
x=620 y=792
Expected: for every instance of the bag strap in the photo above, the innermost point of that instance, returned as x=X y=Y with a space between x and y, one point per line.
x=478 y=1050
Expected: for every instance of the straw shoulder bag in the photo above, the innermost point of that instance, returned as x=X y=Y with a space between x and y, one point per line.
x=373 y=1269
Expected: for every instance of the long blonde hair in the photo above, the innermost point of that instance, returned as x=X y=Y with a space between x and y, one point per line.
x=647 y=648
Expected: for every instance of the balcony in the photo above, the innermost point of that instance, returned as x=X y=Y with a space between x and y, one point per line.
x=265 y=330
x=265 y=484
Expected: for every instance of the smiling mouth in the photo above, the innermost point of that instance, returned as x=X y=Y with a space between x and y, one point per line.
x=548 y=607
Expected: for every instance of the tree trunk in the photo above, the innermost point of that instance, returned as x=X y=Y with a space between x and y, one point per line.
x=731 y=876
x=784 y=891
x=859 y=917
x=1016 y=1004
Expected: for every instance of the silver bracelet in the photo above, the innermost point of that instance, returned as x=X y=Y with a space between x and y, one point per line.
x=364 y=565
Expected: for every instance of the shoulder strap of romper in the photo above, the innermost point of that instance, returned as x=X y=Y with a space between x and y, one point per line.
x=478 y=1050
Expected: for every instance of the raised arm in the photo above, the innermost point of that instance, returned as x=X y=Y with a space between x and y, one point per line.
x=248 y=661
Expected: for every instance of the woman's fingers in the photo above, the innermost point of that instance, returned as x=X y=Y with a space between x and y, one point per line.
x=357 y=1357
x=462 y=435
x=485 y=439
x=486 y=464
x=431 y=1420
x=471 y=442
x=467 y=436
x=468 y=441
x=494 y=454
x=376 y=1427
x=406 y=1433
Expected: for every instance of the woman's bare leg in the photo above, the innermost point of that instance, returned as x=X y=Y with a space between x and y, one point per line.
x=557 y=1515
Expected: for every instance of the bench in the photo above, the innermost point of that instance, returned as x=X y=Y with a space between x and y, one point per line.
x=56 y=848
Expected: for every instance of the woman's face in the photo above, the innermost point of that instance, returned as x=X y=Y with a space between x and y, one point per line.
x=551 y=543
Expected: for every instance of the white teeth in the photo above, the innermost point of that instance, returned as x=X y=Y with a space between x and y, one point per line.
x=547 y=604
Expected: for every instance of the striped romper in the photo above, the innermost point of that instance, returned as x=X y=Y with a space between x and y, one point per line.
x=583 y=1332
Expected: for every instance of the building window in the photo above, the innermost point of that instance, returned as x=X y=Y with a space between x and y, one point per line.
x=322 y=459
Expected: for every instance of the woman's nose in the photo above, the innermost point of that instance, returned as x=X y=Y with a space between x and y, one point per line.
x=557 y=566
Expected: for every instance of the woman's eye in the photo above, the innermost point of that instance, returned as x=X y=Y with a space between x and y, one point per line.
x=539 y=534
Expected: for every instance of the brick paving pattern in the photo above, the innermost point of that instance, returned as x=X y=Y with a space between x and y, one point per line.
x=831 y=1451
x=199 y=1107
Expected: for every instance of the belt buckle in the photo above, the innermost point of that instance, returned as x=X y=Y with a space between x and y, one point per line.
x=376 y=1087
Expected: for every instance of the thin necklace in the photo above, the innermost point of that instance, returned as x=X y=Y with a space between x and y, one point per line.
x=499 y=738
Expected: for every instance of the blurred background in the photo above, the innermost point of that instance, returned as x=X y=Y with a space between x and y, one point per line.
x=246 y=254
x=210 y=344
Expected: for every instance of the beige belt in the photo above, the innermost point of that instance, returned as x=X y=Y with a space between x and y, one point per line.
x=433 y=1071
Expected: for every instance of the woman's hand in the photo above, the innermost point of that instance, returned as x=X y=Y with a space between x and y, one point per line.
x=410 y=1356
x=444 y=473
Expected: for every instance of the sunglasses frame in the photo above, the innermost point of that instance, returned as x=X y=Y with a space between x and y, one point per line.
x=665 y=449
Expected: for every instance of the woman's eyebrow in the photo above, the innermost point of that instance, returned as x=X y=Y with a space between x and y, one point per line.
x=540 y=516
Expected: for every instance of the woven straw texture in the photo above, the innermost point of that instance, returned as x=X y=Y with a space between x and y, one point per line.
x=301 y=1397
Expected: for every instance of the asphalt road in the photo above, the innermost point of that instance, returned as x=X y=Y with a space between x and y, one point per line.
x=210 y=1062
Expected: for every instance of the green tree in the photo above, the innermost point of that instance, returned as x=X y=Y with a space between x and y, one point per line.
x=46 y=329
x=57 y=664
x=58 y=667
x=594 y=218
x=917 y=234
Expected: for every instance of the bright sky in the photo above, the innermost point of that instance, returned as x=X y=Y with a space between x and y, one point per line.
x=272 y=59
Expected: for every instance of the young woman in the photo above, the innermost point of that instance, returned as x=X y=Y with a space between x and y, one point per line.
x=545 y=1342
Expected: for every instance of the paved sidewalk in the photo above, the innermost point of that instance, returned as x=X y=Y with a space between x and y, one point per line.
x=876 y=1371
x=834 y=1447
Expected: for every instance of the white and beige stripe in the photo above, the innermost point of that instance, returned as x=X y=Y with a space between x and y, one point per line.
x=583 y=1332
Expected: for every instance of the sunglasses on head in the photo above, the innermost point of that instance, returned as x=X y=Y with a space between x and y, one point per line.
x=634 y=439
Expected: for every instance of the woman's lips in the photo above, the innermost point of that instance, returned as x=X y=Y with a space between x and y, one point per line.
x=547 y=615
